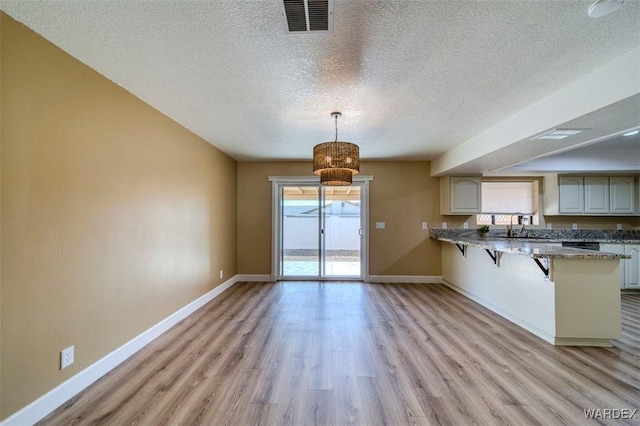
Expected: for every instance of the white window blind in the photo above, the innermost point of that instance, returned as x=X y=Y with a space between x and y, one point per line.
x=508 y=197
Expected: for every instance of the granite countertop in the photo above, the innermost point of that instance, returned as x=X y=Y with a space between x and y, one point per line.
x=531 y=247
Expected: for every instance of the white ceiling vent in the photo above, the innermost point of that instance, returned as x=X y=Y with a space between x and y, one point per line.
x=304 y=16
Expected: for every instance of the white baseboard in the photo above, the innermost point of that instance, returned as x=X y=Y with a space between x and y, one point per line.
x=48 y=402
x=418 y=279
x=517 y=321
x=254 y=278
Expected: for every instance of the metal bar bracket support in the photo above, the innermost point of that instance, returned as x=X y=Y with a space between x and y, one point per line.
x=544 y=269
x=495 y=256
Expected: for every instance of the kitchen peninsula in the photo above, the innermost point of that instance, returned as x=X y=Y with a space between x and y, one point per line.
x=566 y=296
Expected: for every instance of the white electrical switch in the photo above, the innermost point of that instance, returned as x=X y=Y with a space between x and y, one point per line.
x=380 y=225
x=425 y=225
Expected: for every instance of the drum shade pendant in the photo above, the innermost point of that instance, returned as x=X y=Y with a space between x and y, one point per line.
x=336 y=162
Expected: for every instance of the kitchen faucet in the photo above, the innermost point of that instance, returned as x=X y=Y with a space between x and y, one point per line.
x=510 y=226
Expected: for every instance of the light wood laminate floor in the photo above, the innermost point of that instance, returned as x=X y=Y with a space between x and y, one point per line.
x=294 y=353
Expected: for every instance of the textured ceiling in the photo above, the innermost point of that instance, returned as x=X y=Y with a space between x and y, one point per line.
x=412 y=78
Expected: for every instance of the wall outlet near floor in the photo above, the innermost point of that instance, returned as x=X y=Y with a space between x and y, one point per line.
x=425 y=225
x=574 y=226
x=66 y=357
x=221 y=273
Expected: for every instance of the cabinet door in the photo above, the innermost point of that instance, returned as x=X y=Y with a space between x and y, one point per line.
x=466 y=194
x=596 y=195
x=618 y=249
x=622 y=195
x=632 y=266
x=571 y=194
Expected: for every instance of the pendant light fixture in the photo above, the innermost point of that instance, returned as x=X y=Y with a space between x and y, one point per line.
x=336 y=162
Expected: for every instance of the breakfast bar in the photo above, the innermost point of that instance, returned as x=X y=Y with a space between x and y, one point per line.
x=566 y=296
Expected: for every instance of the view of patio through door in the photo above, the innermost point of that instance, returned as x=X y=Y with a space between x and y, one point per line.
x=321 y=231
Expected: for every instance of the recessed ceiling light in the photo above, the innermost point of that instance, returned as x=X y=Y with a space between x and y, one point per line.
x=604 y=7
x=634 y=132
x=557 y=134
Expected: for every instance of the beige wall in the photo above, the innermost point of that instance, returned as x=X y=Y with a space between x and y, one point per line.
x=112 y=216
x=402 y=194
x=254 y=211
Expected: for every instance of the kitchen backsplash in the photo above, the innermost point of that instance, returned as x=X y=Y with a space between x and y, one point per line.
x=601 y=235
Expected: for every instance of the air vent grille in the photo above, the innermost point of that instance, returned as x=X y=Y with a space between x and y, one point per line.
x=318 y=15
x=295 y=15
x=308 y=15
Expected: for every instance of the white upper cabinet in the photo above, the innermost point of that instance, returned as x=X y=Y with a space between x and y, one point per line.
x=460 y=195
x=571 y=194
x=622 y=195
x=596 y=195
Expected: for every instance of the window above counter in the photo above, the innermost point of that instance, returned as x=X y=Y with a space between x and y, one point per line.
x=509 y=200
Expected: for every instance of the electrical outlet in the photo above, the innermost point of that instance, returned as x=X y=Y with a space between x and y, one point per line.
x=549 y=225
x=619 y=227
x=66 y=357
x=444 y=225
x=221 y=273
x=380 y=225
x=574 y=226
x=465 y=225
x=425 y=225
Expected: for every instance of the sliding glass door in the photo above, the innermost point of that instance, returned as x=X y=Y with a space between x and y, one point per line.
x=341 y=231
x=320 y=231
x=300 y=231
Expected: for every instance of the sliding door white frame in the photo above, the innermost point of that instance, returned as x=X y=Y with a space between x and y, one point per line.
x=276 y=220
